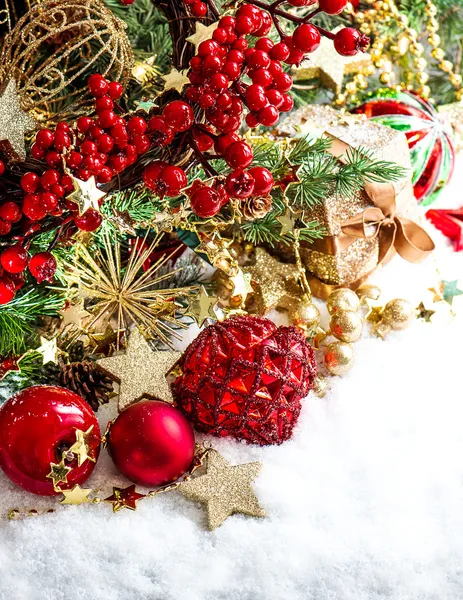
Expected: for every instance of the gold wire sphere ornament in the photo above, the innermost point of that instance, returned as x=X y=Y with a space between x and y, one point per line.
x=339 y=358
x=342 y=299
x=55 y=47
x=346 y=325
x=398 y=314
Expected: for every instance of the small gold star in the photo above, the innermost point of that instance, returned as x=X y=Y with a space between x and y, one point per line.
x=59 y=473
x=424 y=313
x=374 y=312
x=124 y=498
x=203 y=307
x=82 y=447
x=74 y=315
x=287 y=221
x=175 y=80
x=202 y=34
x=14 y=122
x=104 y=342
x=225 y=489
x=49 y=350
x=76 y=496
x=241 y=284
x=86 y=195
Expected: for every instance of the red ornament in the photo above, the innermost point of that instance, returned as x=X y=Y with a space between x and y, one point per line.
x=450 y=222
x=151 y=443
x=245 y=378
x=36 y=426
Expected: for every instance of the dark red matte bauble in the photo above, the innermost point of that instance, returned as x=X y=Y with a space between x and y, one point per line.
x=245 y=378
x=151 y=443
x=36 y=426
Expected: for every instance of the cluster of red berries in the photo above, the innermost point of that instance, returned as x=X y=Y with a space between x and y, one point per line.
x=14 y=260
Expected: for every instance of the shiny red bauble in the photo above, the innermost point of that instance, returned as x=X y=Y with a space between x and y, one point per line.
x=43 y=266
x=36 y=426
x=245 y=378
x=151 y=443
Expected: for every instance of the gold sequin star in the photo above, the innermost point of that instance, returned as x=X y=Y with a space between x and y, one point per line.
x=175 y=80
x=86 y=195
x=424 y=314
x=225 y=489
x=203 y=307
x=59 y=473
x=241 y=284
x=14 y=123
x=74 y=315
x=202 y=34
x=76 y=496
x=82 y=447
x=49 y=350
x=140 y=371
x=124 y=498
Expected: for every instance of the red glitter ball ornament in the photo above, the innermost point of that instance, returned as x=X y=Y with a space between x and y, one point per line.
x=245 y=378
x=36 y=426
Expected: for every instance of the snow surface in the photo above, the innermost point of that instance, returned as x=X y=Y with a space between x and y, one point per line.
x=364 y=503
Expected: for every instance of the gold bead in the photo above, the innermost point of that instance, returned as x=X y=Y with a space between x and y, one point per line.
x=339 y=358
x=375 y=53
x=434 y=40
x=342 y=299
x=369 y=291
x=398 y=314
x=416 y=49
x=385 y=77
x=446 y=66
x=438 y=53
x=346 y=325
x=306 y=317
x=387 y=66
x=425 y=91
x=422 y=78
x=364 y=28
x=430 y=10
x=351 y=87
x=421 y=63
x=340 y=99
x=320 y=386
x=459 y=95
x=379 y=62
x=456 y=79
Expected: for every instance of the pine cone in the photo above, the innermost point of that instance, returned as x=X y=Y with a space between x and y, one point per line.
x=256 y=207
x=88 y=381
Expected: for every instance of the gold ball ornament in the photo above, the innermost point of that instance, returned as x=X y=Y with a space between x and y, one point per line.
x=339 y=358
x=398 y=314
x=320 y=386
x=306 y=317
x=346 y=325
x=342 y=299
x=41 y=51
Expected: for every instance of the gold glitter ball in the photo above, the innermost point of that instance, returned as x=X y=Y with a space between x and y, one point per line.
x=339 y=358
x=320 y=386
x=342 y=299
x=346 y=325
x=398 y=314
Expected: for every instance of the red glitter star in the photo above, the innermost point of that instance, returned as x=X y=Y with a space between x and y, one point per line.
x=124 y=498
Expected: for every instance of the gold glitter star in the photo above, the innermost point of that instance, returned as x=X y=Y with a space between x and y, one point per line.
x=86 y=195
x=124 y=498
x=374 y=312
x=59 y=473
x=203 y=307
x=175 y=80
x=82 y=446
x=241 y=284
x=140 y=371
x=74 y=315
x=424 y=313
x=49 y=350
x=225 y=489
x=14 y=123
x=201 y=34
x=103 y=342
x=77 y=495
x=277 y=282
x=331 y=67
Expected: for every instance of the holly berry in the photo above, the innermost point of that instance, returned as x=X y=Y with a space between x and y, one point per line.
x=349 y=41
x=7 y=290
x=205 y=202
x=152 y=172
x=14 y=259
x=239 y=155
x=43 y=266
x=179 y=115
x=332 y=7
x=10 y=212
x=32 y=208
x=239 y=184
x=44 y=138
x=172 y=180
x=89 y=221
x=5 y=227
x=98 y=85
x=263 y=180
x=30 y=182
x=2 y=167
x=306 y=38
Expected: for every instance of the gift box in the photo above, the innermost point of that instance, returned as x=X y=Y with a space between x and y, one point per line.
x=365 y=230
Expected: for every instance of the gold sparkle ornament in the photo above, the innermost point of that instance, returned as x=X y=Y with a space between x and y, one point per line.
x=320 y=386
x=59 y=473
x=86 y=194
x=49 y=350
x=342 y=299
x=225 y=489
x=14 y=123
x=241 y=284
x=140 y=371
x=76 y=495
x=288 y=222
x=339 y=358
x=201 y=34
x=368 y=292
x=346 y=326
x=175 y=80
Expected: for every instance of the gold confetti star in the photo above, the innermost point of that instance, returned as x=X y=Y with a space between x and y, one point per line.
x=203 y=307
x=424 y=314
x=374 y=312
x=14 y=123
x=74 y=315
x=124 y=498
x=225 y=489
x=49 y=350
x=86 y=195
x=59 y=473
x=288 y=222
x=175 y=80
x=83 y=446
x=201 y=34
x=76 y=496
x=140 y=371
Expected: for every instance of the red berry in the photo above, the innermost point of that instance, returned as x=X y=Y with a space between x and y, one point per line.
x=275 y=97
x=227 y=22
x=30 y=182
x=10 y=212
x=199 y=9
x=37 y=151
x=98 y=86
x=105 y=175
x=62 y=140
x=160 y=133
x=104 y=103
x=206 y=101
x=104 y=143
x=244 y=25
x=67 y=183
x=14 y=259
x=118 y=162
x=203 y=141
x=259 y=60
x=264 y=44
x=332 y=7
x=50 y=178
x=173 y=180
x=120 y=135
x=179 y=115
x=88 y=147
x=84 y=124
x=306 y=38
x=279 y=51
x=7 y=290
x=211 y=64
x=282 y=82
x=53 y=159
x=252 y=120
x=239 y=184
x=224 y=100
x=141 y=143
x=231 y=70
x=5 y=227
x=95 y=133
x=106 y=119
x=219 y=82
x=137 y=125
x=220 y=35
x=115 y=90
x=208 y=47
x=32 y=207
x=205 y=202
x=349 y=41
x=266 y=26
x=287 y=103
x=239 y=155
x=89 y=221
x=256 y=97
x=43 y=266
x=223 y=141
x=84 y=174
x=74 y=159
x=262 y=77
x=18 y=280
x=58 y=190
x=49 y=201
x=263 y=180
x=195 y=63
x=236 y=109
x=152 y=172
x=235 y=56
x=268 y=116
x=2 y=167
x=44 y=138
